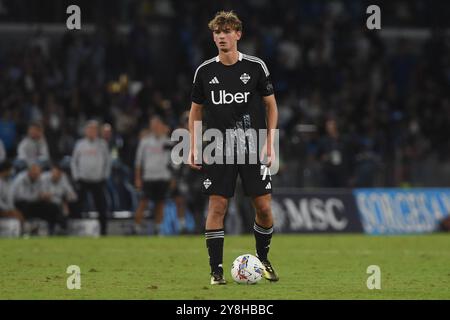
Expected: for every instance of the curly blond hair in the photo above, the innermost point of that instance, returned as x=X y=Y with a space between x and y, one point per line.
x=225 y=19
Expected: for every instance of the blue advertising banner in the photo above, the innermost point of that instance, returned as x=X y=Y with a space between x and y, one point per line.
x=400 y=211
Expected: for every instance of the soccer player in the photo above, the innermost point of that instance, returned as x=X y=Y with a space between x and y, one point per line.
x=231 y=90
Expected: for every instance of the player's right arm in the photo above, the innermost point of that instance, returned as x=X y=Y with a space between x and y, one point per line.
x=195 y=114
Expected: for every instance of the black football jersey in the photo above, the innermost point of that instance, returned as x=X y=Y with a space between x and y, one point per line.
x=232 y=95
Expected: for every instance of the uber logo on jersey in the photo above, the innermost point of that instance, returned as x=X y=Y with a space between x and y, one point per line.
x=228 y=98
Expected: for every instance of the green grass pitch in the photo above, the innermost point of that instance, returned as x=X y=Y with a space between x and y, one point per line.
x=309 y=266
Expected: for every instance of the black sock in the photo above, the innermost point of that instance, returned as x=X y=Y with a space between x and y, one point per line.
x=262 y=237
x=214 y=243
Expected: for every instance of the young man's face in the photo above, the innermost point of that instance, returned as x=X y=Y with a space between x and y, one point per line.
x=226 y=38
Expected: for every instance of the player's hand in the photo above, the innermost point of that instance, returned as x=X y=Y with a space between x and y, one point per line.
x=267 y=155
x=193 y=157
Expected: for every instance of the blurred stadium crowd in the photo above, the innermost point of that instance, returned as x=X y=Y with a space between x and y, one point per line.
x=355 y=109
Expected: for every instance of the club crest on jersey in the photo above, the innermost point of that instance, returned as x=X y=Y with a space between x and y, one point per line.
x=207 y=183
x=245 y=78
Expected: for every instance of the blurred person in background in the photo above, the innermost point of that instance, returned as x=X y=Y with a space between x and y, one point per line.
x=177 y=193
x=114 y=142
x=56 y=183
x=187 y=191
x=91 y=167
x=33 y=148
x=333 y=153
x=152 y=172
x=7 y=209
x=30 y=198
x=2 y=151
x=8 y=130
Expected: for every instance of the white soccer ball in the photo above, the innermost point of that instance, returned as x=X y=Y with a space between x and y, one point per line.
x=247 y=269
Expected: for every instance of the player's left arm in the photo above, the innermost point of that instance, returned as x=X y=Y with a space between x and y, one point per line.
x=272 y=121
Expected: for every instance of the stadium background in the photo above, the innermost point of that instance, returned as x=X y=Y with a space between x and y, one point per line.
x=387 y=90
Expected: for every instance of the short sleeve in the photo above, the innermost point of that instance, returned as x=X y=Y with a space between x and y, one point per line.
x=198 y=94
x=265 y=87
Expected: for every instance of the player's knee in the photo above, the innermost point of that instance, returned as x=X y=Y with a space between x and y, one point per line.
x=218 y=207
x=218 y=211
x=264 y=212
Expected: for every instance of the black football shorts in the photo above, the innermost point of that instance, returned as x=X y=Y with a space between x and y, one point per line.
x=156 y=190
x=220 y=179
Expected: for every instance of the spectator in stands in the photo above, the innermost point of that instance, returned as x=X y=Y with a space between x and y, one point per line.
x=8 y=127
x=56 y=183
x=91 y=167
x=33 y=148
x=32 y=201
x=6 y=204
x=152 y=171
